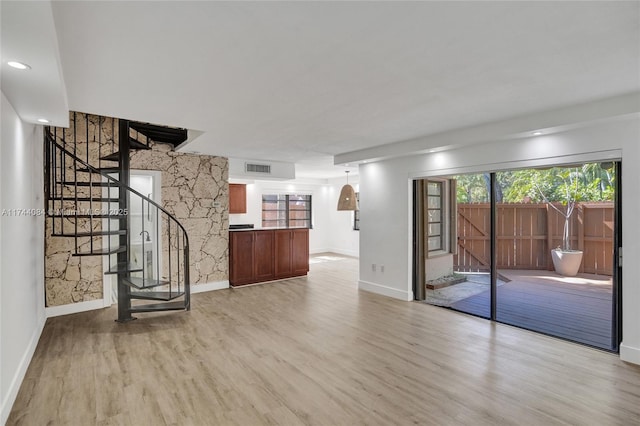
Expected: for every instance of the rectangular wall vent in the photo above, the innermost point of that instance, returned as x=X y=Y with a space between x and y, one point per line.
x=257 y=168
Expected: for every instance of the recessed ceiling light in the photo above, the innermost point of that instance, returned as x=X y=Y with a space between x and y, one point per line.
x=18 y=65
x=538 y=133
x=43 y=120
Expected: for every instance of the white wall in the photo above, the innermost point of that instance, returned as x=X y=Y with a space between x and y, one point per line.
x=438 y=266
x=279 y=169
x=385 y=201
x=342 y=238
x=22 y=313
x=332 y=230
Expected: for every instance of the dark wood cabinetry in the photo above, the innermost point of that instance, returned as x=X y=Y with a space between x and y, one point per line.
x=237 y=198
x=241 y=253
x=291 y=252
x=263 y=256
x=268 y=254
x=300 y=252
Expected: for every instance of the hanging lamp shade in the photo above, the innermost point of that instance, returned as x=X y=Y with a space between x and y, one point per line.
x=347 y=200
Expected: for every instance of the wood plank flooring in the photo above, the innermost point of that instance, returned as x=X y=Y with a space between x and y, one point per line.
x=316 y=351
x=579 y=312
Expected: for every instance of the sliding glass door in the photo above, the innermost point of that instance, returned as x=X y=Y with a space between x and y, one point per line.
x=457 y=275
x=555 y=251
x=539 y=254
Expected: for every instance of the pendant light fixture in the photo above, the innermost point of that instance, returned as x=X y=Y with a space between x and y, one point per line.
x=347 y=200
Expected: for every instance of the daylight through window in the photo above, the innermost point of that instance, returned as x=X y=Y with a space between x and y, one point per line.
x=286 y=211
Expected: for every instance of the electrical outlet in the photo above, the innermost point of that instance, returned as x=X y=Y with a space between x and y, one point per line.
x=373 y=267
x=382 y=269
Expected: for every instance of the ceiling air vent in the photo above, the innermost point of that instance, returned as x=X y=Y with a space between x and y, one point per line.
x=257 y=168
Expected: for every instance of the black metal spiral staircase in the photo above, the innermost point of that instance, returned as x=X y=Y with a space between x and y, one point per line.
x=93 y=205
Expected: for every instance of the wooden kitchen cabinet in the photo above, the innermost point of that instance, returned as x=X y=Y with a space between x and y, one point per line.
x=291 y=252
x=241 y=254
x=263 y=256
x=282 y=252
x=237 y=198
x=268 y=254
x=299 y=252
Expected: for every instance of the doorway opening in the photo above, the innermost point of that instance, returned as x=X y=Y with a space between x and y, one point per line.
x=145 y=229
x=496 y=245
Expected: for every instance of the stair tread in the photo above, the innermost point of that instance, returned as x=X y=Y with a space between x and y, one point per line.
x=87 y=199
x=87 y=216
x=114 y=156
x=122 y=268
x=92 y=234
x=142 y=283
x=102 y=252
x=163 y=134
x=134 y=144
x=97 y=184
x=100 y=169
x=169 y=306
x=157 y=295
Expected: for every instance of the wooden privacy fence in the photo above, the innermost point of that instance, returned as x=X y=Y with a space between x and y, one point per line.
x=526 y=233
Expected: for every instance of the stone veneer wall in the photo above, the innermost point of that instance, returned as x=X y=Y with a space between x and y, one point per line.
x=194 y=190
x=191 y=184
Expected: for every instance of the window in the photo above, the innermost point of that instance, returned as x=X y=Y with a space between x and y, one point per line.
x=435 y=216
x=356 y=214
x=286 y=211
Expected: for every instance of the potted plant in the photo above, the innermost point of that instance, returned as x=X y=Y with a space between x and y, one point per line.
x=566 y=261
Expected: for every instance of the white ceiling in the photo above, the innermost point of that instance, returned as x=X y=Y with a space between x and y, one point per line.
x=305 y=81
x=28 y=35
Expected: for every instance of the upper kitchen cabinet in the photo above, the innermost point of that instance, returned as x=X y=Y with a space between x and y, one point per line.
x=237 y=198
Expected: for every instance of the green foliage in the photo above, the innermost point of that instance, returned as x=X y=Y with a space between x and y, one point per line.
x=566 y=185
x=471 y=189
x=589 y=182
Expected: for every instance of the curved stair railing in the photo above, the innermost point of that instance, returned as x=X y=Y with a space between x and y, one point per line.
x=148 y=251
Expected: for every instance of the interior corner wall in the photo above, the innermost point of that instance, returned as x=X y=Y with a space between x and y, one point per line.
x=22 y=312
x=385 y=202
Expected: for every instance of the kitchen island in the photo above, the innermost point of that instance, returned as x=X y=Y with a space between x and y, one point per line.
x=260 y=255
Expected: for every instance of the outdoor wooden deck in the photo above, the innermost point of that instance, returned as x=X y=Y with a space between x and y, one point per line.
x=574 y=308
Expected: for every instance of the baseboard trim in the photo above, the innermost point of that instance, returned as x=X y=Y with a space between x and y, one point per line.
x=318 y=251
x=385 y=291
x=351 y=253
x=18 y=377
x=201 y=288
x=629 y=354
x=74 y=308
x=91 y=305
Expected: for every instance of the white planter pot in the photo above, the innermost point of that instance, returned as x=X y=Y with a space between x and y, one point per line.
x=566 y=263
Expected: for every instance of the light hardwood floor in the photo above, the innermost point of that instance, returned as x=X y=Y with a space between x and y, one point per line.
x=316 y=351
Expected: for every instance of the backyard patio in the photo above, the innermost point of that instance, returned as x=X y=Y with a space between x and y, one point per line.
x=576 y=308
